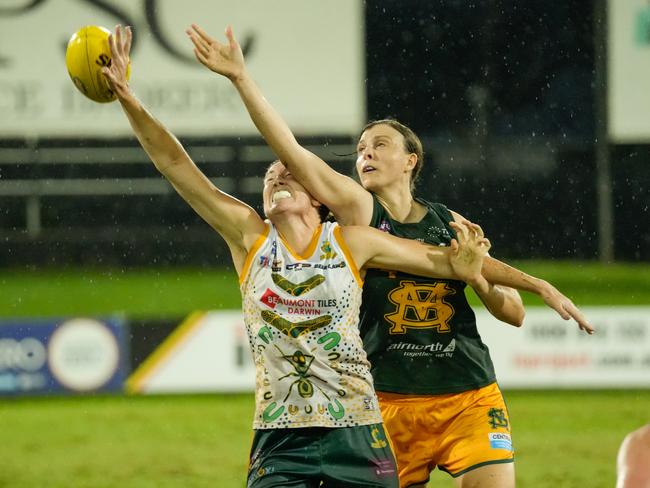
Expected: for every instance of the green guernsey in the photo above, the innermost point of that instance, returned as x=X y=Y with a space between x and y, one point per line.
x=420 y=333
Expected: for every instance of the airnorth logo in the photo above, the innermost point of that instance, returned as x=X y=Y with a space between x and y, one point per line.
x=420 y=306
x=437 y=349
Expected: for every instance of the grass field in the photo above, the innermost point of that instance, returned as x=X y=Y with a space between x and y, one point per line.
x=176 y=292
x=563 y=439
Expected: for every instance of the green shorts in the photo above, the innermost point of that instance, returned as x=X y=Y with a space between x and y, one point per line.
x=336 y=457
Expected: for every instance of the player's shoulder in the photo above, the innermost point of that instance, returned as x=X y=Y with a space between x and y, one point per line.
x=359 y=237
x=436 y=206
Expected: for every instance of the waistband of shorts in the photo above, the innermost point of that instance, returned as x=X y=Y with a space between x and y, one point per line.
x=385 y=396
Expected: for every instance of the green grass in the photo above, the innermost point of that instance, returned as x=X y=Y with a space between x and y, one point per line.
x=562 y=439
x=138 y=293
x=589 y=283
x=176 y=292
x=125 y=442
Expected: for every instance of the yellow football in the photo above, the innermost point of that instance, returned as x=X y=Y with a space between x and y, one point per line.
x=86 y=55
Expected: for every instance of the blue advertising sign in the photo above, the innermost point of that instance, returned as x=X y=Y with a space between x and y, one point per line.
x=62 y=356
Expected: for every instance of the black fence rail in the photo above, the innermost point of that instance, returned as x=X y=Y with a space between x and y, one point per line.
x=101 y=202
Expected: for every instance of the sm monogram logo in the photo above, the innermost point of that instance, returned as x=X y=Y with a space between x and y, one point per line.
x=420 y=306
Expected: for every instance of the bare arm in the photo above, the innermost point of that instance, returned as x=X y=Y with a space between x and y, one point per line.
x=237 y=223
x=502 y=302
x=500 y=273
x=503 y=297
x=632 y=465
x=350 y=203
x=371 y=248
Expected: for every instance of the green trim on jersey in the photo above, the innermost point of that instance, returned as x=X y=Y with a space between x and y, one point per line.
x=420 y=333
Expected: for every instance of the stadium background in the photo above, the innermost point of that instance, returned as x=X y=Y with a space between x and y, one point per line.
x=510 y=101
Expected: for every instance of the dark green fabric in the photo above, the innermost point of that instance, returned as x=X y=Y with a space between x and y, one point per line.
x=326 y=457
x=418 y=360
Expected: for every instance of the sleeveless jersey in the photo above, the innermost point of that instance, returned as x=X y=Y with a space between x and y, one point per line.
x=302 y=317
x=420 y=333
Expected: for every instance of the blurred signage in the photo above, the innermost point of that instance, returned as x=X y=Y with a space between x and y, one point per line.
x=209 y=352
x=628 y=71
x=306 y=56
x=79 y=355
x=548 y=352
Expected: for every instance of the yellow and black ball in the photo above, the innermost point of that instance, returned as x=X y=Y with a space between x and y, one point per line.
x=87 y=53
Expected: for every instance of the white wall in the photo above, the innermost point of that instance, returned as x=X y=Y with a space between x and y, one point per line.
x=306 y=55
x=629 y=71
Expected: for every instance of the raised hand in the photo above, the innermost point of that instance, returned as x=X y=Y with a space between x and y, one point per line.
x=564 y=307
x=468 y=251
x=117 y=73
x=225 y=59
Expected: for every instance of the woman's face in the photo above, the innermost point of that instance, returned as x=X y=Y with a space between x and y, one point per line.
x=282 y=193
x=382 y=159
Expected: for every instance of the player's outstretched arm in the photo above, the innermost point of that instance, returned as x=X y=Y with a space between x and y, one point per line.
x=502 y=302
x=350 y=203
x=238 y=223
x=504 y=298
x=371 y=248
x=500 y=273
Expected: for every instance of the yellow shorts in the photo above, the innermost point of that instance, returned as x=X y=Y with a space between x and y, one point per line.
x=456 y=432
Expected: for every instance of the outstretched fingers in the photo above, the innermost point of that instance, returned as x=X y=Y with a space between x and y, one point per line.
x=111 y=45
x=579 y=317
x=231 y=37
x=128 y=38
x=120 y=44
x=106 y=70
x=567 y=310
x=117 y=40
x=205 y=37
x=109 y=75
x=200 y=57
x=199 y=44
x=562 y=312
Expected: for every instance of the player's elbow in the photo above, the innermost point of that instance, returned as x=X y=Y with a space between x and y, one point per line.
x=520 y=315
x=515 y=308
x=511 y=316
x=515 y=316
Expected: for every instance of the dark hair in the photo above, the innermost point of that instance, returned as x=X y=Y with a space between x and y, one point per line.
x=412 y=143
x=325 y=214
